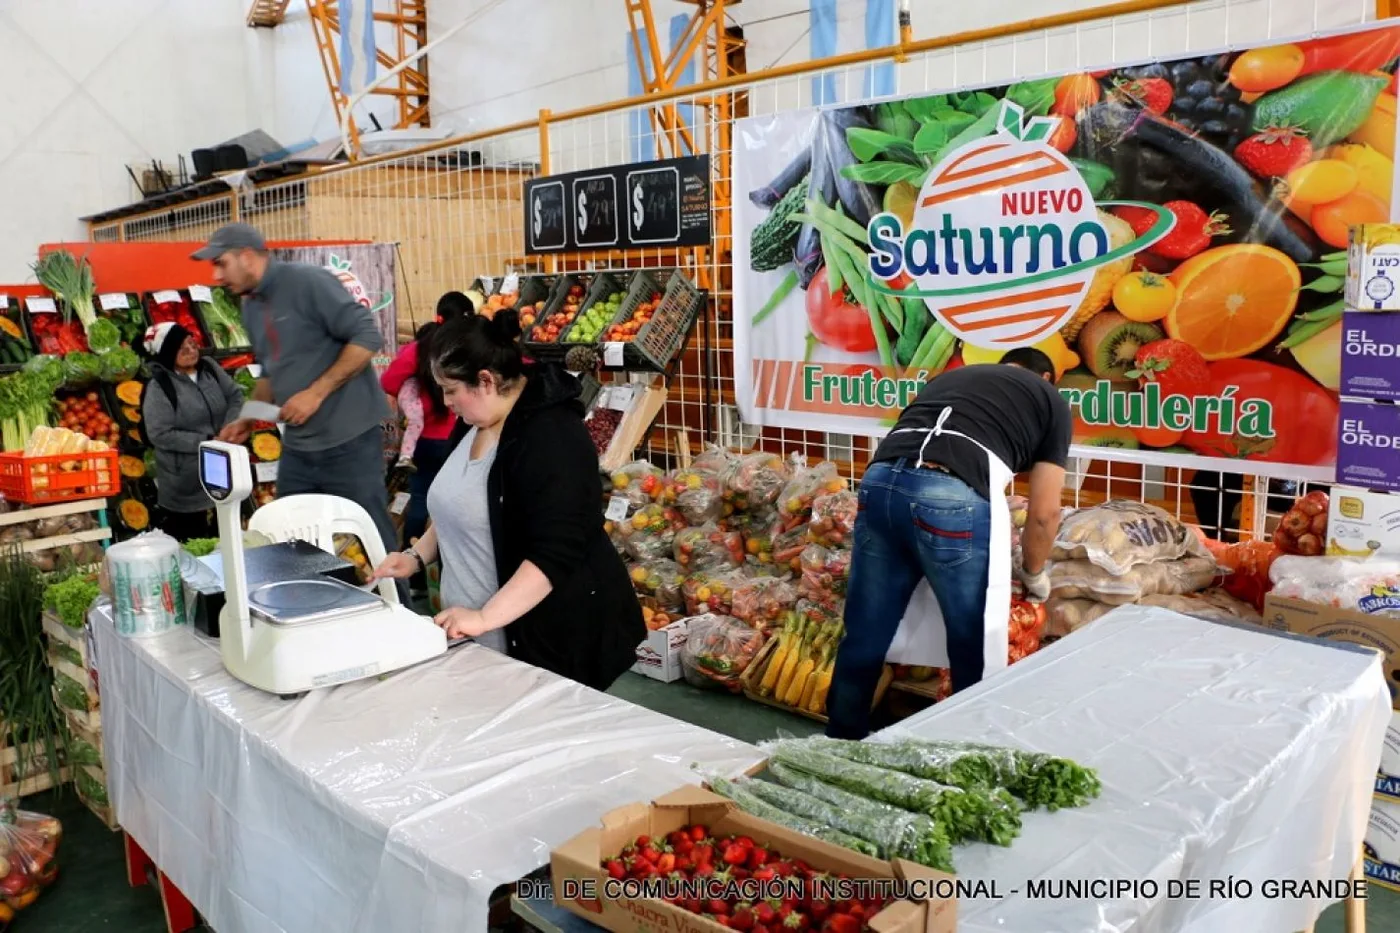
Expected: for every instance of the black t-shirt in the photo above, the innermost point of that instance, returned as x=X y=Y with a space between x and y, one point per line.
x=1013 y=412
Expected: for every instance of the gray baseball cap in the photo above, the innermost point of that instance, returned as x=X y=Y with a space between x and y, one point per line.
x=231 y=237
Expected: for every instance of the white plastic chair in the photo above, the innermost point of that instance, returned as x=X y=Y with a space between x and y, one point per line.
x=317 y=519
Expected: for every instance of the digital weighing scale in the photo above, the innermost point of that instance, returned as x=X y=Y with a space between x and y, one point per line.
x=293 y=635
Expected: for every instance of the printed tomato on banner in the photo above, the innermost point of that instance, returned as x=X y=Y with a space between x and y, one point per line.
x=1172 y=235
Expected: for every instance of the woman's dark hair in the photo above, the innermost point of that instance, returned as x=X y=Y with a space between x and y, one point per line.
x=463 y=348
x=450 y=307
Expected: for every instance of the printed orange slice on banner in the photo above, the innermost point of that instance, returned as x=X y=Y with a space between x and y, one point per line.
x=1233 y=300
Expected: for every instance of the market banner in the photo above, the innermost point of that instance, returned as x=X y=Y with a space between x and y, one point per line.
x=367 y=272
x=1171 y=234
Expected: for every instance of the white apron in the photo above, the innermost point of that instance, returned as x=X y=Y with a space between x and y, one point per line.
x=921 y=639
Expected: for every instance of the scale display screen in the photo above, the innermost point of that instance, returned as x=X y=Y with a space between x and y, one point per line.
x=214 y=471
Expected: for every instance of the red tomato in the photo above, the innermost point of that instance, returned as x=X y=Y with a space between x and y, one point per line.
x=1296 y=401
x=835 y=321
x=1359 y=51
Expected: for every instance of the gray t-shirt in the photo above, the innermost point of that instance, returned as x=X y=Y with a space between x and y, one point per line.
x=299 y=318
x=458 y=506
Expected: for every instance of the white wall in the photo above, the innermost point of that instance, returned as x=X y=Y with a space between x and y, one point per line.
x=95 y=85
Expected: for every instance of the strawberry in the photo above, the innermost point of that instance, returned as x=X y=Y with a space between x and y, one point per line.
x=643 y=841
x=616 y=869
x=1154 y=94
x=735 y=854
x=1139 y=218
x=1192 y=233
x=765 y=913
x=650 y=853
x=795 y=921
x=766 y=873
x=744 y=841
x=691 y=904
x=665 y=863
x=743 y=918
x=843 y=923
x=716 y=906
x=684 y=863
x=698 y=832
x=1175 y=365
x=1275 y=152
x=683 y=846
x=721 y=920
x=819 y=911
x=758 y=857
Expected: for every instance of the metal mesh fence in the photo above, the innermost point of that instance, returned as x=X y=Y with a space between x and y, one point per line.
x=456 y=213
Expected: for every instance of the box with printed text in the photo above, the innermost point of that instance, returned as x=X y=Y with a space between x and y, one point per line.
x=659 y=657
x=1388 y=777
x=1368 y=445
x=1382 y=845
x=1373 y=268
x=1361 y=523
x=1371 y=355
x=1376 y=631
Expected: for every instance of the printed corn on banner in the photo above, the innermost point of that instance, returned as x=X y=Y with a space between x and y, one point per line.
x=1171 y=234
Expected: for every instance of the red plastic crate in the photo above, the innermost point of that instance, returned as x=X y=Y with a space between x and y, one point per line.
x=60 y=478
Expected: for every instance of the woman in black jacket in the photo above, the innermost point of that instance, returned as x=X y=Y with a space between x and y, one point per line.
x=564 y=602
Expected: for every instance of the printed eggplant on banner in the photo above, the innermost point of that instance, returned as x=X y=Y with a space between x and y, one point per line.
x=1172 y=235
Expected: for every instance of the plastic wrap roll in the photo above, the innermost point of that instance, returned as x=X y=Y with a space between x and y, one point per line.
x=148 y=595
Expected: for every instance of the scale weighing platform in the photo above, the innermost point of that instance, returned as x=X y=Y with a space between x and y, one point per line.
x=287 y=636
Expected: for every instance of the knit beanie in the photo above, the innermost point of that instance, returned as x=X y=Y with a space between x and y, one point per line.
x=163 y=342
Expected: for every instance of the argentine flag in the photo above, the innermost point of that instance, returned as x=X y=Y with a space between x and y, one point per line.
x=358 y=63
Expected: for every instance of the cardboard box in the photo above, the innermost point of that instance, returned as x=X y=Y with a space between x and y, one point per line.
x=1388 y=777
x=1382 y=846
x=1367 y=442
x=1361 y=523
x=1371 y=355
x=579 y=881
x=1378 y=632
x=659 y=657
x=1373 y=268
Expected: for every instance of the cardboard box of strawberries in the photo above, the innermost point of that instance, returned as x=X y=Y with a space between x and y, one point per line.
x=692 y=861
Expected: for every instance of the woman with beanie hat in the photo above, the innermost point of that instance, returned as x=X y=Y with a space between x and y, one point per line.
x=187 y=401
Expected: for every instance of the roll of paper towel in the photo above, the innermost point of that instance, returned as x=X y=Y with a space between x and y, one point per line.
x=148 y=596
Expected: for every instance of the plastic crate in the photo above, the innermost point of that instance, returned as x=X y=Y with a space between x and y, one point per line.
x=33 y=480
x=601 y=284
x=660 y=339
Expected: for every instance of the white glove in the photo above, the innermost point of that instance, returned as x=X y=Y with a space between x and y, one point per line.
x=1036 y=585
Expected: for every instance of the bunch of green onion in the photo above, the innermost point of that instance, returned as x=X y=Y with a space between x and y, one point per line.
x=70 y=280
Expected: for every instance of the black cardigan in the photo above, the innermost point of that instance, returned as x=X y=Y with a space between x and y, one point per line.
x=544 y=503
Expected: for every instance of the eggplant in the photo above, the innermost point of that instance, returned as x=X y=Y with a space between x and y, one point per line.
x=857 y=198
x=807 y=254
x=773 y=192
x=1253 y=213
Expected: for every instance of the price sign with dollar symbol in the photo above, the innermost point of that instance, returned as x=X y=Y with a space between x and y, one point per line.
x=654 y=197
x=595 y=210
x=545 y=217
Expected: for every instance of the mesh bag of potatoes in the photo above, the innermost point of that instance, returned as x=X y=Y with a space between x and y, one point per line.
x=1122 y=534
x=1082 y=579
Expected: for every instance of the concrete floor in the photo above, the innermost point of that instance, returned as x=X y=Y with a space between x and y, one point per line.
x=92 y=893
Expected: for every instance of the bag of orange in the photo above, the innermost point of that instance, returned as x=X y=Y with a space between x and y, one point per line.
x=717 y=650
x=1249 y=563
x=799 y=495
x=28 y=846
x=834 y=518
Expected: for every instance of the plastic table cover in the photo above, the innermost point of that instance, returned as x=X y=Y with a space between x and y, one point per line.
x=1225 y=752
x=384 y=805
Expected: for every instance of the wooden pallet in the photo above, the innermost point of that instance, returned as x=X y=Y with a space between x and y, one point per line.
x=60 y=634
x=103 y=811
x=58 y=510
x=37 y=777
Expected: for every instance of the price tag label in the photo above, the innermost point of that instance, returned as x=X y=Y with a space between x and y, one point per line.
x=114 y=301
x=617 y=509
x=510 y=285
x=166 y=296
x=266 y=472
x=201 y=293
x=41 y=306
x=612 y=353
x=4 y=301
x=400 y=503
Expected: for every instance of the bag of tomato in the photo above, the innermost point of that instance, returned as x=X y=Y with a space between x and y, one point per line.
x=28 y=846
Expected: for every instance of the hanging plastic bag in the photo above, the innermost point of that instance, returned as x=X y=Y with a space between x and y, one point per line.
x=28 y=855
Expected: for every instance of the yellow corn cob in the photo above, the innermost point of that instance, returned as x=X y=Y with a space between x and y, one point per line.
x=1101 y=288
x=777 y=659
x=805 y=667
x=818 y=704
x=796 y=648
x=810 y=685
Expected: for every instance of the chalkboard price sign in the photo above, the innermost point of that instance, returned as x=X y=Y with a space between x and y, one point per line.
x=664 y=203
x=546 y=227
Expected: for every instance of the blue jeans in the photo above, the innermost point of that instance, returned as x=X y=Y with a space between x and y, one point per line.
x=353 y=470
x=428 y=459
x=913 y=524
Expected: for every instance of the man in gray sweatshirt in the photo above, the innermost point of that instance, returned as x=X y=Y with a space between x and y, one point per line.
x=314 y=343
